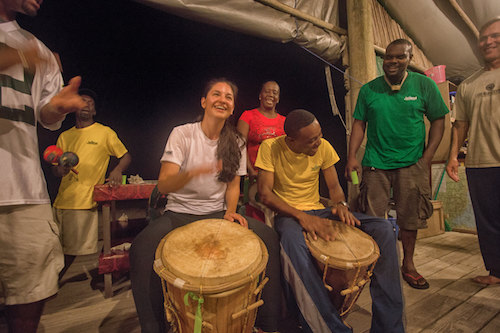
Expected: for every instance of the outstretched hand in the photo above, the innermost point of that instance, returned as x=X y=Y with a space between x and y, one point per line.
x=68 y=100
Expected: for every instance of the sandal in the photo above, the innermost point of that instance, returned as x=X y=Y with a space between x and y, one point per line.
x=415 y=281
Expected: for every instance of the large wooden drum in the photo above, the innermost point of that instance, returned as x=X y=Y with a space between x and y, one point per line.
x=345 y=264
x=212 y=274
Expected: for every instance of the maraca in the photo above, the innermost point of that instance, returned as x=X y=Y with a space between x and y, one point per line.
x=69 y=159
x=52 y=154
x=55 y=155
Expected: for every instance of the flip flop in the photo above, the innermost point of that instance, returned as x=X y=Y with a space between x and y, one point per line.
x=415 y=281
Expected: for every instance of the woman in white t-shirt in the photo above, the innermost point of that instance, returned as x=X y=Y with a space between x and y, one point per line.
x=201 y=169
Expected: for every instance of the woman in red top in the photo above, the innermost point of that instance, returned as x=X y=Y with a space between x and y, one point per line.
x=261 y=123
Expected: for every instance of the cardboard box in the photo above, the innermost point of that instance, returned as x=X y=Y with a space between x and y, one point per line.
x=435 y=225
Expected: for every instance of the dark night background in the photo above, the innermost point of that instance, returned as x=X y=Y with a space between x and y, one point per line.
x=149 y=67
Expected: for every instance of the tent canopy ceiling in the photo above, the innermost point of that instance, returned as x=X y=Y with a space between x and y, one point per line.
x=441 y=33
x=434 y=25
x=257 y=19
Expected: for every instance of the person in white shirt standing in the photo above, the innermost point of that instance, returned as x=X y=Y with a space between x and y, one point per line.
x=478 y=115
x=31 y=92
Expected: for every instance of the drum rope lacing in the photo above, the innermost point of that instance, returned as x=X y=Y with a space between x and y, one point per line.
x=170 y=310
x=369 y=273
x=343 y=310
x=353 y=288
x=249 y=300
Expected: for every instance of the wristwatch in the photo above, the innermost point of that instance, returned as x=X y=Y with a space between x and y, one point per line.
x=343 y=203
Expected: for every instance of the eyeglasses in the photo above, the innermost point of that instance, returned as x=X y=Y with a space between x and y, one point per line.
x=495 y=35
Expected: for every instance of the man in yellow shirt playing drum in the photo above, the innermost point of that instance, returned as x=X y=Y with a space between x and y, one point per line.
x=288 y=182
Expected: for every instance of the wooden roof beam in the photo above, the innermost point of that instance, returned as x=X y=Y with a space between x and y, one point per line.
x=303 y=16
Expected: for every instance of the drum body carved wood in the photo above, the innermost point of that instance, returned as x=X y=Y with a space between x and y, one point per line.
x=217 y=261
x=345 y=264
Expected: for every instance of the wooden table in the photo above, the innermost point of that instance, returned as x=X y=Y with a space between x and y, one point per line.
x=107 y=196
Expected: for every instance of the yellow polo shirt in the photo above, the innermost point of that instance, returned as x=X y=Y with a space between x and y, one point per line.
x=296 y=176
x=94 y=145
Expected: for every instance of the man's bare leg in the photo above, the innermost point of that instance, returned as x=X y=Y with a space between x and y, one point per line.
x=24 y=318
x=408 y=269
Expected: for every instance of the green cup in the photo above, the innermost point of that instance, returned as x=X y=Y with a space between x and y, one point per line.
x=354 y=177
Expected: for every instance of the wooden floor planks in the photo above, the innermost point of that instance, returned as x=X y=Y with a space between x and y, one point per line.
x=453 y=303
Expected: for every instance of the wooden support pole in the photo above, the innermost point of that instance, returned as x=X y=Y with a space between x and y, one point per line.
x=465 y=18
x=362 y=64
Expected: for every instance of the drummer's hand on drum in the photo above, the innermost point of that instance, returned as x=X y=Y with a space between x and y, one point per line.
x=235 y=217
x=345 y=215
x=317 y=226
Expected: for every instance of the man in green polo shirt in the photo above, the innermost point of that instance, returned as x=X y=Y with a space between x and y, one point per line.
x=396 y=157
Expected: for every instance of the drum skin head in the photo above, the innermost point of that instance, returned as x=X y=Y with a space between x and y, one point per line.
x=211 y=252
x=351 y=248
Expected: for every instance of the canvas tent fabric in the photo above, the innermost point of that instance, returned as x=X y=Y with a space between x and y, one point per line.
x=441 y=33
x=257 y=19
x=433 y=24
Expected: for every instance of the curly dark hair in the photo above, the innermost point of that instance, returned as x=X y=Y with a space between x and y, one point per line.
x=230 y=141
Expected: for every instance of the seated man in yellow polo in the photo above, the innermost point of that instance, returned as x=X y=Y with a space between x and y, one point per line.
x=288 y=182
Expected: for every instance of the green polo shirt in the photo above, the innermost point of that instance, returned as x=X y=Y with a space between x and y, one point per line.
x=395 y=119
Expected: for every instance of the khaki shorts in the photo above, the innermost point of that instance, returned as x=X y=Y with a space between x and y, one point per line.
x=30 y=253
x=411 y=192
x=78 y=230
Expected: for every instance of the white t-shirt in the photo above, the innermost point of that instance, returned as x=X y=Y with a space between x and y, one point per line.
x=22 y=97
x=189 y=147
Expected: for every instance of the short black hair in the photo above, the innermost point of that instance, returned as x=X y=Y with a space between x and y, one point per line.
x=88 y=92
x=266 y=81
x=402 y=41
x=296 y=120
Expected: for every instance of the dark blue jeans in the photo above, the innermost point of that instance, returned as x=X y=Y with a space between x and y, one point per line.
x=306 y=285
x=146 y=285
